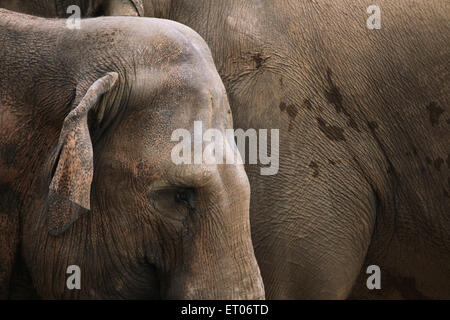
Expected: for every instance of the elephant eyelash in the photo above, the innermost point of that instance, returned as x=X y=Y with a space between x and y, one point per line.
x=182 y=196
x=186 y=197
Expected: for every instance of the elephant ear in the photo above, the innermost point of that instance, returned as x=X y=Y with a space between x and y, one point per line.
x=70 y=187
x=139 y=6
x=99 y=8
x=121 y=8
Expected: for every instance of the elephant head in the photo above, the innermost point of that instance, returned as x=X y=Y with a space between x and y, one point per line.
x=135 y=223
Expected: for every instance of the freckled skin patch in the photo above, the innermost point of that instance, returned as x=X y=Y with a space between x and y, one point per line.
x=373 y=125
x=307 y=104
x=292 y=112
x=332 y=132
x=352 y=124
x=333 y=94
x=258 y=60
x=290 y=109
x=313 y=165
x=434 y=112
x=438 y=163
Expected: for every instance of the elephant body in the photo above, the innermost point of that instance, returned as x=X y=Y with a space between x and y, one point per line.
x=364 y=139
x=364 y=132
x=86 y=175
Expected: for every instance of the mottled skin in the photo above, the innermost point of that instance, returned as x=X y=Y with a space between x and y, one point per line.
x=89 y=8
x=364 y=141
x=99 y=104
x=364 y=154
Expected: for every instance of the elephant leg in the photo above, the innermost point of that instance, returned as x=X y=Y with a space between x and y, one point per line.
x=312 y=225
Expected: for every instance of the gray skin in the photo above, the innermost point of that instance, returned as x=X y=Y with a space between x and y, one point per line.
x=364 y=130
x=89 y=8
x=86 y=122
x=364 y=140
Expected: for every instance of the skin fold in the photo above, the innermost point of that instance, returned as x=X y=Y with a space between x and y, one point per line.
x=86 y=175
x=364 y=130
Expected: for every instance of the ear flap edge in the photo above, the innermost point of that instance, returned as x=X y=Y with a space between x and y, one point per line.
x=139 y=6
x=70 y=187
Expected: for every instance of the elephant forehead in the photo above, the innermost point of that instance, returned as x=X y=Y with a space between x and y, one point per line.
x=161 y=43
x=114 y=164
x=183 y=75
x=176 y=97
x=152 y=167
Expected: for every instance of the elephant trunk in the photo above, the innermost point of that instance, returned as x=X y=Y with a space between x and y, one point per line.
x=230 y=277
x=218 y=261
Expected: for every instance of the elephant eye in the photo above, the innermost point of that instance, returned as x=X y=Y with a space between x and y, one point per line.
x=186 y=197
x=175 y=203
